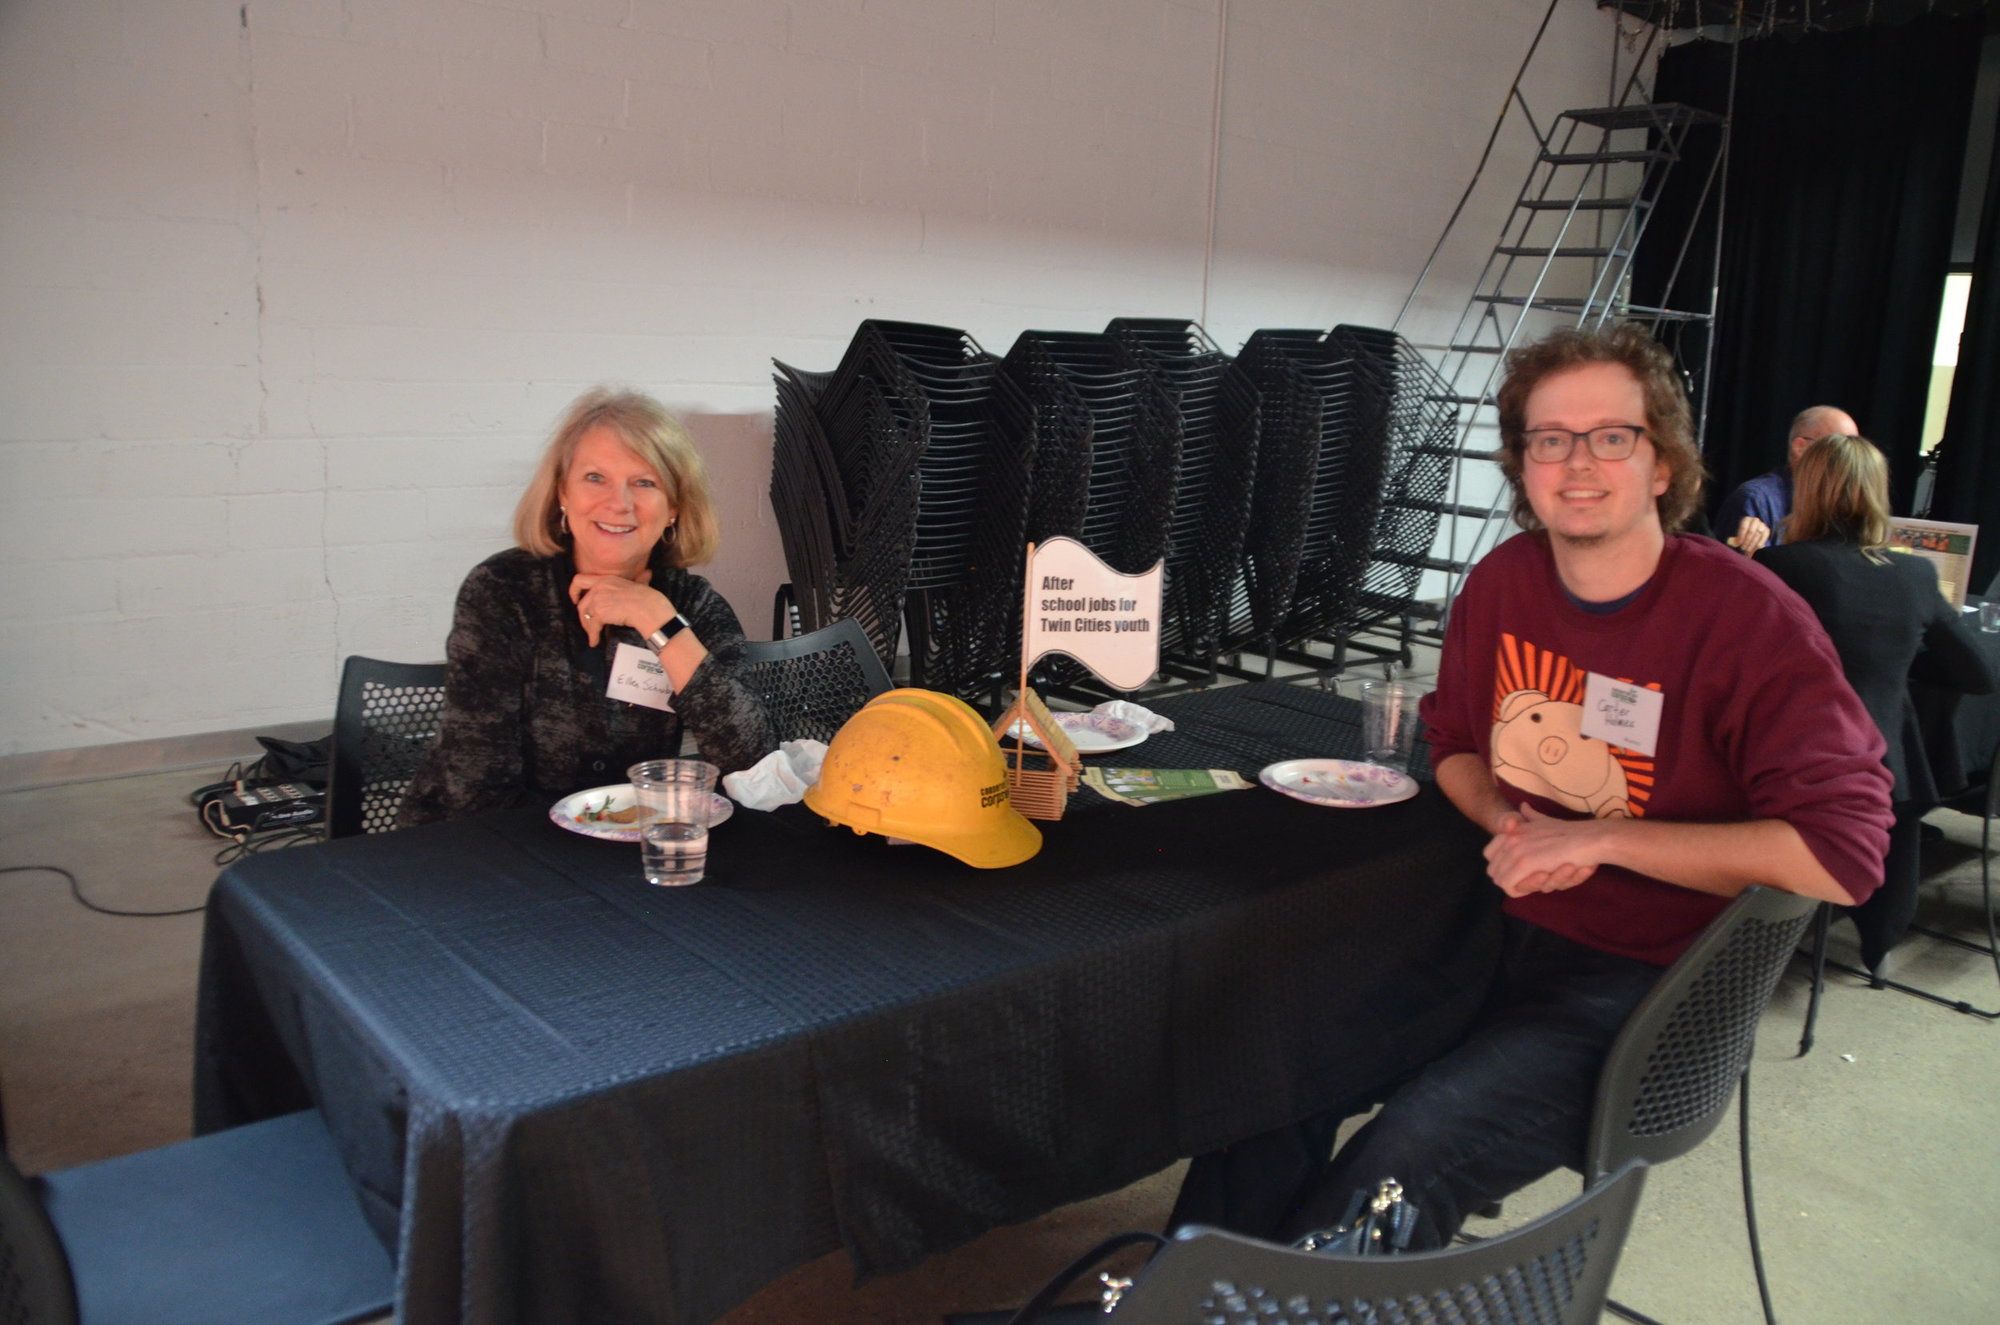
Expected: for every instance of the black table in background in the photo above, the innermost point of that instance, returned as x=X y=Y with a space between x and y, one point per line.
x=1960 y=732
x=567 y=1096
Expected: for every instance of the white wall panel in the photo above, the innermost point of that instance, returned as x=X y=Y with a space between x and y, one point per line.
x=291 y=290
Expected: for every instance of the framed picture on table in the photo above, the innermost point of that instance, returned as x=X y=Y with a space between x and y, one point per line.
x=1946 y=546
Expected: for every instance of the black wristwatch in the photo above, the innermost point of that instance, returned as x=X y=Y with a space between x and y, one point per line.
x=658 y=639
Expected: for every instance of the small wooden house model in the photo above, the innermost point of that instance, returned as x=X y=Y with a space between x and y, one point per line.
x=1039 y=781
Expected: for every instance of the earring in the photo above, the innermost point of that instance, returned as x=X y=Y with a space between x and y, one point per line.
x=562 y=518
x=669 y=534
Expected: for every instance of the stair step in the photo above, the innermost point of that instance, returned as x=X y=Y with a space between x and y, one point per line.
x=1448 y=398
x=1581 y=204
x=1555 y=305
x=1472 y=349
x=1604 y=158
x=1641 y=115
x=1427 y=563
x=1438 y=507
x=1457 y=452
x=1534 y=251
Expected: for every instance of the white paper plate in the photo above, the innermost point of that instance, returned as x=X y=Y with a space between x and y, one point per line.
x=570 y=812
x=1091 y=733
x=1346 y=784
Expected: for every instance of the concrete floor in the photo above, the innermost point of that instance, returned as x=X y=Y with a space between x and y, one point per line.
x=1875 y=1155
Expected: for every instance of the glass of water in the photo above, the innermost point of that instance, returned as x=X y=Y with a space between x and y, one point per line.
x=678 y=796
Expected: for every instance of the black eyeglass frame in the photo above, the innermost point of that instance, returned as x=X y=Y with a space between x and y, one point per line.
x=1589 y=438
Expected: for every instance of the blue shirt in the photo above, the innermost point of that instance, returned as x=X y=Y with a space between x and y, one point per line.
x=1768 y=497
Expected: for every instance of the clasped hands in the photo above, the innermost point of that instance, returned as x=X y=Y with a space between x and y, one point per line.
x=1532 y=852
x=612 y=600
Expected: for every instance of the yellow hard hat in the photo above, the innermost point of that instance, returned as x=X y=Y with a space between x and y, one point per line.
x=924 y=766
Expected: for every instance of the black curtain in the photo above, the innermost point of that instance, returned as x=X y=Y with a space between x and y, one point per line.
x=1843 y=178
x=1968 y=487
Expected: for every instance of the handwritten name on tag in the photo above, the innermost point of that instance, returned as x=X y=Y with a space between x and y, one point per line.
x=1622 y=713
x=638 y=678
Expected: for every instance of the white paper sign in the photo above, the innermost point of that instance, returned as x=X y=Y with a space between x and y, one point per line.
x=1622 y=713
x=638 y=678
x=1106 y=620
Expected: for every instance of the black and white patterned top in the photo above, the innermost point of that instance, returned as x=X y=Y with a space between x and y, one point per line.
x=526 y=718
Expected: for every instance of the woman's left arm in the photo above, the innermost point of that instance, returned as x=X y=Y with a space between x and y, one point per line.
x=1951 y=656
x=728 y=719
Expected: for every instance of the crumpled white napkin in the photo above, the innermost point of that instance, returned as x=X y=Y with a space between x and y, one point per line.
x=779 y=778
x=1137 y=714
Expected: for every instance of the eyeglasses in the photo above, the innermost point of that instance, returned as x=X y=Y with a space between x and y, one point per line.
x=1552 y=446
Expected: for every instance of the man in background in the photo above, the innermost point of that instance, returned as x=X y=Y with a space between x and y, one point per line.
x=1752 y=516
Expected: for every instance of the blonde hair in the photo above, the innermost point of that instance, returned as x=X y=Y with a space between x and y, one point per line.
x=657 y=438
x=1840 y=490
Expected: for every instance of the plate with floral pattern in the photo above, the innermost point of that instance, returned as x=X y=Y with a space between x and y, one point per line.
x=1345 y=784
x=613 y=814
x=1091 y=733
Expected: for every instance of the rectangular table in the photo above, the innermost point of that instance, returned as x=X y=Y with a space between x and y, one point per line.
x=567 y=1096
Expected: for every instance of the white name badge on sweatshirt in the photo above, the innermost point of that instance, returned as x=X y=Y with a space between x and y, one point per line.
x=1621 y=713
x=638 y=678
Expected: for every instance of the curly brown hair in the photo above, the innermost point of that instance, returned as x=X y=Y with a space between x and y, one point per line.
x=1669 y=419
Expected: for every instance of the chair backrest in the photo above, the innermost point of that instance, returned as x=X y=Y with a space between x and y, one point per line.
x=1672 y=1069
x=387 y=721
x=35 y=1286
x=812 y=683
x=1555 y=1270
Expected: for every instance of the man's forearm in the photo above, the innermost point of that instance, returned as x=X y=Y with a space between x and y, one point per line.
x=1465 y=781
x=1723 y=859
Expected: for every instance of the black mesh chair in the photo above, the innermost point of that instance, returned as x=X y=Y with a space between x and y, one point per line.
x=1686 y=1048
x=255 y=1224
x=387 y=721
x=811 y=684
x=1555 y=1270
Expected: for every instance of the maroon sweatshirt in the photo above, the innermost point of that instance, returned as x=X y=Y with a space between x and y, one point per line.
x=1757 y=722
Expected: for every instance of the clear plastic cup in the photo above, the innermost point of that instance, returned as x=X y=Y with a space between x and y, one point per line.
x=1389 y=722
x=678 y=796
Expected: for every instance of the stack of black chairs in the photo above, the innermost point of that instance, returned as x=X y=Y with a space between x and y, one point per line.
x=1211 y=504
x=1293 y=491
x=1102 y=413
x=921 y=451
x=1423 y=427
x=1296 y=464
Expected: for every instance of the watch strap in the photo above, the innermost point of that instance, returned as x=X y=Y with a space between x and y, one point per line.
x=658 y=639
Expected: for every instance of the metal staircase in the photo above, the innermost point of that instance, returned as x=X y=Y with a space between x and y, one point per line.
x=1564 y=257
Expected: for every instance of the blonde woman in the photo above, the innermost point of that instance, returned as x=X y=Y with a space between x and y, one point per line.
x=589 y=645
x=1887 y=619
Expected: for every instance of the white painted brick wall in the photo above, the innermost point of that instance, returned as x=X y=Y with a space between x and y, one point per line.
x=291 y=290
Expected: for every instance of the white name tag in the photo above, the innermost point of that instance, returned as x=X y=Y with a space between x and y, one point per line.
x=638 y=678
x=1621 y=713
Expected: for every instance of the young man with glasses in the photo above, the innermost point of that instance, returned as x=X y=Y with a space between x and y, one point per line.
x=1646 y=723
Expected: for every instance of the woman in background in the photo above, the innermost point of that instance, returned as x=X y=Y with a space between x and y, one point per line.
x=589 y=646
x=1888 y=621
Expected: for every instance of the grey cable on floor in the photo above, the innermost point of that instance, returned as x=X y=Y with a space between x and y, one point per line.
x=76 y=891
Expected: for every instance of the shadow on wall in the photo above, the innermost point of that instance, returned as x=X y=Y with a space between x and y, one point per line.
x=750 y=564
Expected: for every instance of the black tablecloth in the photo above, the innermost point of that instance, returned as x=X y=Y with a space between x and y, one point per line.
x=565 y=1095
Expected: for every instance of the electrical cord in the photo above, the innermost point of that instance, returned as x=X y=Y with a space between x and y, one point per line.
x=76 y=891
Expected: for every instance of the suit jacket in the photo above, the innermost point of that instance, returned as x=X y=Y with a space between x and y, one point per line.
x=1888 y=623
